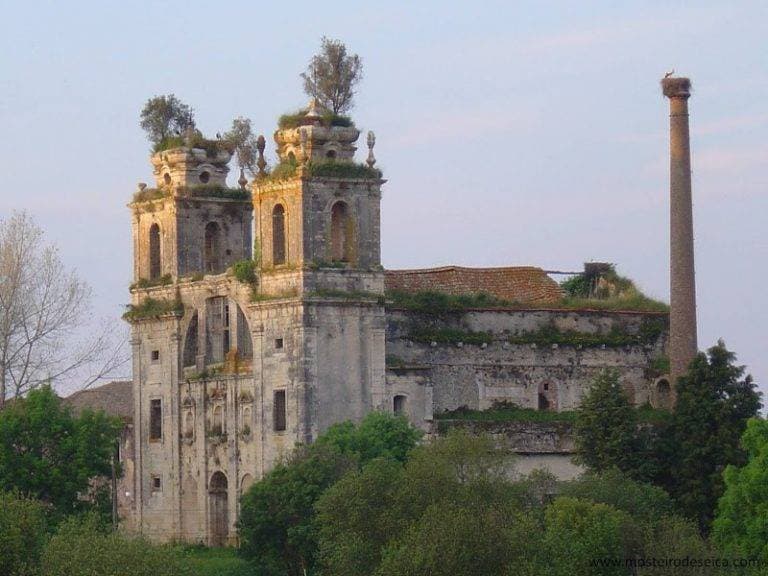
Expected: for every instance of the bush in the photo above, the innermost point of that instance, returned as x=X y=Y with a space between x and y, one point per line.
x=22 y=534
x=85 y=546
x=299 y=118
x=245 y=271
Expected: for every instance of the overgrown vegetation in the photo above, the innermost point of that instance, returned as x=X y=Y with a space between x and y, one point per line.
x=505 y=411
x=439 y=303
x=324 y=169
x=347 y=294
x=245 y=271
x=152 y=308
x=428 y=334
x=299 y=118
x=649 y=332
x=166 y=116
x=606 y=290
x=142 y=283
x=150 y=194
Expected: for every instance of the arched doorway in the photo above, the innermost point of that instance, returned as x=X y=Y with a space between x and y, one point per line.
x=219 y=510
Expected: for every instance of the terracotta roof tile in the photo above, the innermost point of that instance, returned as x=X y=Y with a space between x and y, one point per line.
x=524 y=284
x=114 y=398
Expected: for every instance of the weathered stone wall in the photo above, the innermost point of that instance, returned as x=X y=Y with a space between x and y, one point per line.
x=476 y=375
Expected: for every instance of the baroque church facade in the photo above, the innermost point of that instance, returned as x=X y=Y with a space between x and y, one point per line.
x=231 y=370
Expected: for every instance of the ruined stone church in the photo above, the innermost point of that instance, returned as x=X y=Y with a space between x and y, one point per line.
x=261 y=315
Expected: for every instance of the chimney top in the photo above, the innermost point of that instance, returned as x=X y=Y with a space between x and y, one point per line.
x=674 y=87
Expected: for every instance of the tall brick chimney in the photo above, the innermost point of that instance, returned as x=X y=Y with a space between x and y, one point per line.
x=682 y=332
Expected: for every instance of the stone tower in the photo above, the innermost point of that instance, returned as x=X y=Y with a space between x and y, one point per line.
x=187 y=318
x=682 y=338
x=319 y=306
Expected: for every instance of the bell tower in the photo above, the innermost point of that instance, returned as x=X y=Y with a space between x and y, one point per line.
x=321 y=285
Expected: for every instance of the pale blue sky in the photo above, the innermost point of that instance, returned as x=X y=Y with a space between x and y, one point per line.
x=510 y=132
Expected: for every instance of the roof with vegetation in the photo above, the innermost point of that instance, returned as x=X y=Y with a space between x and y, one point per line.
x=114 y=398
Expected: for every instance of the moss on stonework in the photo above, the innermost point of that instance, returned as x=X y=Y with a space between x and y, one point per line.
x=347 y=294
x=152 y=308
x=287 y=169
x=449 y=336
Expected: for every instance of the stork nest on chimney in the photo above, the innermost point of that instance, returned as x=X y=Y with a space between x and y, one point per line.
x=676 y=87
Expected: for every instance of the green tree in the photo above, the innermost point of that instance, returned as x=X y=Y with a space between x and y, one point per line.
x=277 y=522
x=47 y=453
x=83 y=545
x=332 y=75
x=644 y=502
x=23 y=533
x=714 y=403
x=378 y=435
x=578 y=532
x=469 y=538
x=242 y=140
x=740 y=525
x=606 y=426
x=166 y=116
x=374 y=509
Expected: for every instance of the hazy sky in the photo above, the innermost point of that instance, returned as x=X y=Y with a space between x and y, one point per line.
x=511 y=133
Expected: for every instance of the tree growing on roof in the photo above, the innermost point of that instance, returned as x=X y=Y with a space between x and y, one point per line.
x=332 y=75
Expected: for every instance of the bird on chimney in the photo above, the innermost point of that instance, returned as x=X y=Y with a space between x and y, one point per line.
x=668 y=74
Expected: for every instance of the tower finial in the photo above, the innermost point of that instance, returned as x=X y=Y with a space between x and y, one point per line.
x=261 y=143
x=371 y=141
x=242 y=180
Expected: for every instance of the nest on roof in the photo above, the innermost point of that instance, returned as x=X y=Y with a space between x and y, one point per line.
x=676 y=86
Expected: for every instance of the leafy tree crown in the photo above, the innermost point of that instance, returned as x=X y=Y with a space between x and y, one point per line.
x=166 y=116
x=332 y=75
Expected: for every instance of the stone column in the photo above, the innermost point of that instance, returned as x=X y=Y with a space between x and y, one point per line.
x=682 y=334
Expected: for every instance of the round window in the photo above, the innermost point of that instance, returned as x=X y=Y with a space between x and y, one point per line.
x=205 y=176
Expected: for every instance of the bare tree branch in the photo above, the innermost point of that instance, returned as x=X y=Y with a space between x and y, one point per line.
x=43 y=307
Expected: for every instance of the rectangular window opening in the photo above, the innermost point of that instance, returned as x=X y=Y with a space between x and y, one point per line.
x=157 y=484
x=155 y=355
x=155 y=420
x=278 y=343
x=279 y=410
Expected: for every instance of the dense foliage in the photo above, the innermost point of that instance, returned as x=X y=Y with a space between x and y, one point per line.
x=47 y=453
x=22 y=534
x=685 y=453
x=606 y=426
x=714 y=402
x=83 y=546
x=277 y=523
x=166 y=116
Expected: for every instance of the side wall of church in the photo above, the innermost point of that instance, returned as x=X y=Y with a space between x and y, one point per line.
x=436 y=375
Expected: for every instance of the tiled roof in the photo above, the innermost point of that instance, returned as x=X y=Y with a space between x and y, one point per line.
x=115 y=398
x=524 y=284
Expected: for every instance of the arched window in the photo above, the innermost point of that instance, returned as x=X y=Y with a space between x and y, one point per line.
x=191 y=344
x=398 y=404
x=278 y=235
x=245 y=425
x=341 y=233
x=154 y=252
x=212 y=254
x=218 y=420
x=189 y=423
